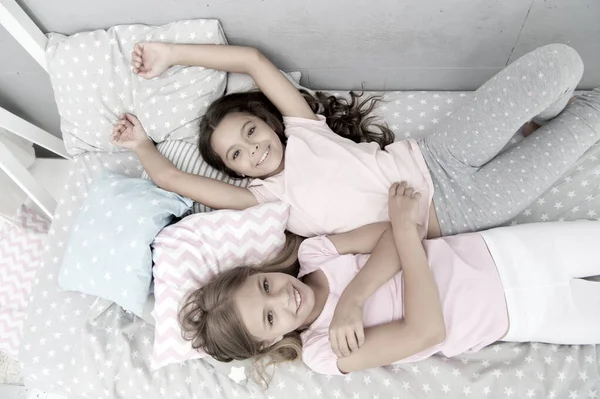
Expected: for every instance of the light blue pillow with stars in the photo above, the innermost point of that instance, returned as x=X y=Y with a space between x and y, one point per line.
x=108 y=253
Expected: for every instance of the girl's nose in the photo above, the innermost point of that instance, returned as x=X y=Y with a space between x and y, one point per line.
x=281 y=298
x=254 y=149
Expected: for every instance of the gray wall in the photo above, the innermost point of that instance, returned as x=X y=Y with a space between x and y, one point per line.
x=336 y=44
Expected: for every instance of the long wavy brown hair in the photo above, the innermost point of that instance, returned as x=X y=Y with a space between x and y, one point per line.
x=211 y=321
x=351 y=118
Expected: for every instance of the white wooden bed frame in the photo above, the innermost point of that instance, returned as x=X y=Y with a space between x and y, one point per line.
x=33 y=40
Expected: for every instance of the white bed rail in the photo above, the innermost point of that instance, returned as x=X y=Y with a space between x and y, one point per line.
x=33 y=40
x=10 y=165
x=24 y=30
x=25 y=180
x=32 y=133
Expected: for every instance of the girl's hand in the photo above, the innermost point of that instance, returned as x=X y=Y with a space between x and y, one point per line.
x=403 y=206
x=346 y=331
x=151 y=59
x=129 y=133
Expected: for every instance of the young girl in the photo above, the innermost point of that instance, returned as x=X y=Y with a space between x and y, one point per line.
x=336 y=185
x=449 y=295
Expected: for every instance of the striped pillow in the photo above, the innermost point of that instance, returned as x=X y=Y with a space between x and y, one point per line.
x=186 y=157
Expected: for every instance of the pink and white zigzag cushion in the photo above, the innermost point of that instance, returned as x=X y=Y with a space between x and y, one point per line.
x=191 y=252
x=21 y=247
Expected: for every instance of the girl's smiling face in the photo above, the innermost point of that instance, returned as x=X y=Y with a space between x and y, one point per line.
x=248 y=145
x=274 y=304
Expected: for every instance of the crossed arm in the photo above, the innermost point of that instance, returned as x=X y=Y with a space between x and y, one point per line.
x=423 y=324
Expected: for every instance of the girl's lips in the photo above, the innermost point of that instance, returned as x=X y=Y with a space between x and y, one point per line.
x=298 y=298
x=265 y=156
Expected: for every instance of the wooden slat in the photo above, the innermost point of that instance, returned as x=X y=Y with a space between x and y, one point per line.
x=10 y=165
x=28 y=131
x=24 y=30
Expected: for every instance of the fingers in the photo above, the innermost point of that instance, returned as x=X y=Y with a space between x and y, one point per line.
x=132 y=119
x=398 y=188
x=403 y=189
x=137 y=61
x=339 y=343
x=352 y=340
x=343 y=344
x=138 y=49
x=122 y=124
x=334 y=344
x=393 y=189
x=360 y=336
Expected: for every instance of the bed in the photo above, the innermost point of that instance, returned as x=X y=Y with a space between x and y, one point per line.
x=83 y=346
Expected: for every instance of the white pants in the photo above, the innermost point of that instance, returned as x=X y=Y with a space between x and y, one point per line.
x=542 y=267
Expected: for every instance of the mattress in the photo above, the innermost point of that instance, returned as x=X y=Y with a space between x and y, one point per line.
x=86 y=347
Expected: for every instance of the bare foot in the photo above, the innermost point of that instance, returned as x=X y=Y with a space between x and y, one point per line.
x=529 y=128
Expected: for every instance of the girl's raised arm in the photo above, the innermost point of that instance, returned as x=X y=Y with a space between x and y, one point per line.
x=129 y=133
x=151 y=59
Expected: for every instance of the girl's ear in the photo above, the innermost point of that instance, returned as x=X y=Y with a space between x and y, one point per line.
x=273 y=342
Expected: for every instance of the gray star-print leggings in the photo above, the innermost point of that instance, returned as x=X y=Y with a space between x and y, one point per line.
x=476 y=186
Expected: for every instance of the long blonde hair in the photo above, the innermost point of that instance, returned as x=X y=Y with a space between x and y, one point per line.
x=211 y=321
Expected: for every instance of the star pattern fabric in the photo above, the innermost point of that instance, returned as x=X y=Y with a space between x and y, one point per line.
x=84 y=347
x=93 y=83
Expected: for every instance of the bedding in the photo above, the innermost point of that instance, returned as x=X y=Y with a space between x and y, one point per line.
x=108 y=253
x=93 y=83
x=21 y=247
x=86 y=347
x=240 y=82
x=191 y=252
x=186 y=157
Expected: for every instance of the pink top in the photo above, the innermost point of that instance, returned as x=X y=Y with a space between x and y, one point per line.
x=470 y=290
x=334 y=185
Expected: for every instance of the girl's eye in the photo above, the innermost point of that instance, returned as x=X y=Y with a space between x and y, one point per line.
x=266 y=286
x=236 y=154
x=270 y=318
x=250 y=132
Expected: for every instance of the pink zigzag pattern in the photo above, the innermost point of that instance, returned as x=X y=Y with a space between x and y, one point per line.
x=21 y=246
x=193 y=251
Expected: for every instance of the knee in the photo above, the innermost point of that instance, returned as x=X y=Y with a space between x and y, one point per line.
x=566 y=58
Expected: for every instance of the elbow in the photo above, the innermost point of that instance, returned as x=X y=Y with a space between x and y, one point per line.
x=436 y=334
x=430 y=333
x=255 y=61
x=255 y=56
x=165 y=179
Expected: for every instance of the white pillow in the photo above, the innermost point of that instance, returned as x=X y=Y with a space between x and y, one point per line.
x=239 y=82
x=93 y=83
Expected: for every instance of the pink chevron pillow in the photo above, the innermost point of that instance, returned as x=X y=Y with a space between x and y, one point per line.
x=21 y=248
x=191 y=252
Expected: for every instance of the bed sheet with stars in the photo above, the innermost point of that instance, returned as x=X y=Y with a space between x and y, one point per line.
x=85 y=347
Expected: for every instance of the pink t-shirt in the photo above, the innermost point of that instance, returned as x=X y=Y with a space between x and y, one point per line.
x=470 y=290
x=334 y=185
